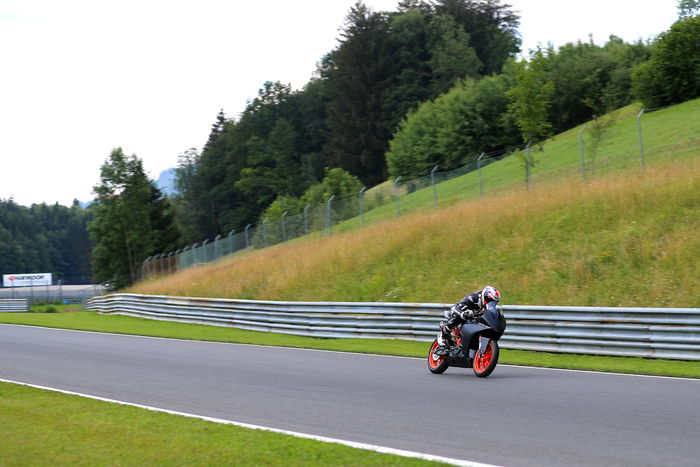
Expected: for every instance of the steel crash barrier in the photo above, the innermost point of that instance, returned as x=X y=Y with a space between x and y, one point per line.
x=672 y=333
x=14 y=305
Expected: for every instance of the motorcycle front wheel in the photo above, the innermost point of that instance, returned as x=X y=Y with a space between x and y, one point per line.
x=436 y=363
x=484 y=363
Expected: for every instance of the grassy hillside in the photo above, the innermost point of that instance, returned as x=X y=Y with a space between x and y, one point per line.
x=669 y=134
x=624 y=236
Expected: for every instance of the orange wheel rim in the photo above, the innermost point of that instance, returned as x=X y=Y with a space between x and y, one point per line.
x=482 y=360
x=433 y=360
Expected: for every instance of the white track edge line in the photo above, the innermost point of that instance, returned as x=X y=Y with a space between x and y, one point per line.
x=353 y=444
x=680 y=378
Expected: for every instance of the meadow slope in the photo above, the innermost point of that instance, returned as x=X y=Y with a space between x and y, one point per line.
x=630 y=238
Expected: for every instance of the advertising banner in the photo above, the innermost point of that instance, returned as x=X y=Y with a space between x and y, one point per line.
x=26 y=280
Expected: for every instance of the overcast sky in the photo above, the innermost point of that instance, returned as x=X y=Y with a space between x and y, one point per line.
x=81 y=77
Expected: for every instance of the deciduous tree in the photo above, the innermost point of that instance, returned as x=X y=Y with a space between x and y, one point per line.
x=130 y=220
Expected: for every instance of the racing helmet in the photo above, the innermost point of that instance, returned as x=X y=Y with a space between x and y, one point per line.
x=490 y=294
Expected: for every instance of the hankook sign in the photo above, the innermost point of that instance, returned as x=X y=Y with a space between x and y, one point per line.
x=26 y=280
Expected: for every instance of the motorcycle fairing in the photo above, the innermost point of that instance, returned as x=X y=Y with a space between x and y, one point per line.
x=470 y=331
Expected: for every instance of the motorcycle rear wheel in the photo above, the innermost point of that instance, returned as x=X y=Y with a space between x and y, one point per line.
x=436 y=363
x=485 y=363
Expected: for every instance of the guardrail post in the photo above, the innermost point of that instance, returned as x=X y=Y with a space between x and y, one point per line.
x=432 y=182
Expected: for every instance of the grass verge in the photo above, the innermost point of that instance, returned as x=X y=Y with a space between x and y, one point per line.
x=90 y=321
x=49 y=428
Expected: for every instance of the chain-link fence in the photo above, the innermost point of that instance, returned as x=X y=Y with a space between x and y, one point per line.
x=53 y=294
x=588 y=151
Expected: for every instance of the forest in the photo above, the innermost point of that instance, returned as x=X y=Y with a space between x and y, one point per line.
x=45 y=238
x=432 y=83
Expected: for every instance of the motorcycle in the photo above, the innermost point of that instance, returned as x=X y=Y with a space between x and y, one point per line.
x=475 y=344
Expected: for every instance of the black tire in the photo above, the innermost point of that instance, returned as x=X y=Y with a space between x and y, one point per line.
x=436 y=363
x=486 y=363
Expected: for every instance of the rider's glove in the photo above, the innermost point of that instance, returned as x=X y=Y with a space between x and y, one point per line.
x=467 y=314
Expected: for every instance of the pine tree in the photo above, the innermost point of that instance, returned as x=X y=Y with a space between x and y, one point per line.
x=358 y=82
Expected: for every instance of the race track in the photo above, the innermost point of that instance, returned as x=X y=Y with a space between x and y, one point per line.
x=516 y=417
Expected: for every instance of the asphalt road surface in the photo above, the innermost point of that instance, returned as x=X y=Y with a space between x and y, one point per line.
x=517 y=417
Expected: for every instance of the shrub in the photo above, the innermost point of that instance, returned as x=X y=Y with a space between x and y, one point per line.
x=672 y=74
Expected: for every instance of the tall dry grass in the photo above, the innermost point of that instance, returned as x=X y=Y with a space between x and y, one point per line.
x=629 y=239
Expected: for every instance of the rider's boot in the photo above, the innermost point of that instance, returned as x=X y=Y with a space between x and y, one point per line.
x=446 y=331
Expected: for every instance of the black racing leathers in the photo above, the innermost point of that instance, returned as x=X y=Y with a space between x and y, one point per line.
x=468 y=307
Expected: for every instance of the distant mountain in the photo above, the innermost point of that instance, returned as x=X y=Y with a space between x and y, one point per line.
x=166 y=182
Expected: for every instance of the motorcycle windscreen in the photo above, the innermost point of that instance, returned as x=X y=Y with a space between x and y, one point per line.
x=494 y=318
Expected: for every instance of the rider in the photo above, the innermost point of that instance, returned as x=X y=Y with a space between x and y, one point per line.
x=471 y=306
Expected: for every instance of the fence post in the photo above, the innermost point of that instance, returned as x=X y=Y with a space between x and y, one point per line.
x=247 y=237
x=527 y=165
x=641 y=142
x=396 y=195
x=432 y=182
x=329 y=221
x=204 y=250
x=264 y=226
x=143 y=271
x=217 y=249
x=362 y=205
x=478 y=170
x=194 y=253
x=184 y=259
x=306 y=219
x=580 y=147
x=283 y=226
x=231 y=242
x=176 y=266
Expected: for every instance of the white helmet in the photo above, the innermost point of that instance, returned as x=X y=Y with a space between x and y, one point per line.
x=490 y=294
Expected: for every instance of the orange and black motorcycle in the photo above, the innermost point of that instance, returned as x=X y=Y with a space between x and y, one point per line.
x=475 y=344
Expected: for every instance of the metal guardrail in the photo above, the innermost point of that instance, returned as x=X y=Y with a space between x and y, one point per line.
x=14 y=305
x=672 y=333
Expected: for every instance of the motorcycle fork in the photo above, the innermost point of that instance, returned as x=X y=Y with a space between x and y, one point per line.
x=483 y=344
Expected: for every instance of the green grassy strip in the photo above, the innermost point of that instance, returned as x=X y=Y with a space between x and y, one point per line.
x=90 y=321
x=49 y=428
